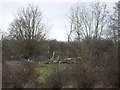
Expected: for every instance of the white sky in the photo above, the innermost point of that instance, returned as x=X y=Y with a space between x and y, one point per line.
x=53 y=13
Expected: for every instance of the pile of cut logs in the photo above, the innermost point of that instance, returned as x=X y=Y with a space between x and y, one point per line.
x=64 y=61
x=56 y=59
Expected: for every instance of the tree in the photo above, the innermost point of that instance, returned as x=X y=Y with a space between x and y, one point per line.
x=28 y=28
x=88 y=21
x=114 y=23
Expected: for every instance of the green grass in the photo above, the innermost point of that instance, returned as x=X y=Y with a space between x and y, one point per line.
x=42 y=70
x=13 y=63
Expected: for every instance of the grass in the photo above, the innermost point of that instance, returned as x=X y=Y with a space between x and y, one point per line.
x=13 y=63
x=42 y=70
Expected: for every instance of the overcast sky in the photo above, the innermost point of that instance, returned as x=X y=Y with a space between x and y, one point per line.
x=53 y=13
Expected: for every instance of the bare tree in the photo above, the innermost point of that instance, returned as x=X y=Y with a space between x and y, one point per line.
x=28 y=27
x=114 y=23
x=3 y=35
x=88 y=21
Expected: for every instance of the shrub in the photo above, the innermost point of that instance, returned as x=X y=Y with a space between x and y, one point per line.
x=54 y=80
x=19 y=74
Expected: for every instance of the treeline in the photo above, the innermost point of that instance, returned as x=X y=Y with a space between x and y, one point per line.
x=43 y=50
x=28 y=35
x=90 y=49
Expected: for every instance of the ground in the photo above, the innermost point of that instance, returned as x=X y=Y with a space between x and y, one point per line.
x=50 y=74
